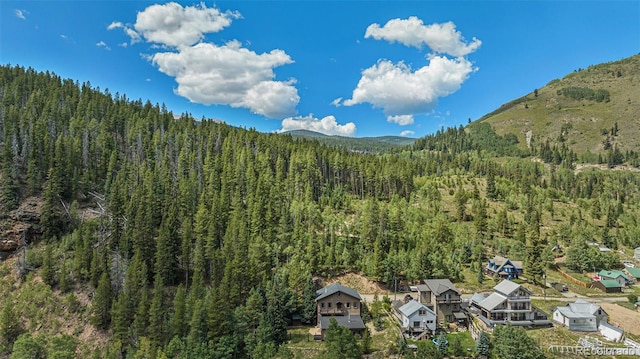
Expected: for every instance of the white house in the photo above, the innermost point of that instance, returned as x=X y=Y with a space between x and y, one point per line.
x=510 y=303
x=417 y=317
x=580 y=316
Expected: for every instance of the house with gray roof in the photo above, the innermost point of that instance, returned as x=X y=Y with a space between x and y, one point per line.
x=503 y=267
x=580 y=316
x=510 y=303
x=416 y=318
x=444 y=298
x=343 y=304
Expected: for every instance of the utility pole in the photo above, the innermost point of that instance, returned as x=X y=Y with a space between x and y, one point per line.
x=395 y=287
x=544 y=289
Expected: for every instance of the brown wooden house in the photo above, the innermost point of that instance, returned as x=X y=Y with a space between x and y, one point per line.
x=341 y=303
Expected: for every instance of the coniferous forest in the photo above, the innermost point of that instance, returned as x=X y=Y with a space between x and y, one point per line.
x=176 y=237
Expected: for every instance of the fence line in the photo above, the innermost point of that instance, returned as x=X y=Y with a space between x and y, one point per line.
x=576 y=281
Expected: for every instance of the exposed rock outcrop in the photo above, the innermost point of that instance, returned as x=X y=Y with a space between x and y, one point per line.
x=21 y=226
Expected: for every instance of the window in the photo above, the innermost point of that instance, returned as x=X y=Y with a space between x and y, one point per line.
x=355 y=304
x=321 y=305
x=348 y=305
x=422 y=312
x=416 y=324
x=429 y=321
x=329 y=304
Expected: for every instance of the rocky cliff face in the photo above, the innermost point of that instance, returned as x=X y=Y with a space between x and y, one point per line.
x=21 y=226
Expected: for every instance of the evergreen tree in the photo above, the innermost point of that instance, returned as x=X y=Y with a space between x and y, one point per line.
x=141 y=317
x=513 y=342
x=10 y=324
x=309 y=306
x=442 y=345
x=340 y=342
x=28 y=346
x=157 y=315
x=482 y=344
x=101 y=305
x=179 y=320
x=48 y=270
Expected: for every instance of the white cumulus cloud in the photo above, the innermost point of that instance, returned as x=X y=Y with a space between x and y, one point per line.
x=399 y=90
x=209 y=73
x=327 y=125
x=21 y=14
x=441 y=38
x=115 y=25
x=133 y=35
x=407 y=133
x=231 y=75
x=401 y=120
x=173 y=25
x=104 y=45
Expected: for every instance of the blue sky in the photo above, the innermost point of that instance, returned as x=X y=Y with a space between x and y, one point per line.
x=351 y=68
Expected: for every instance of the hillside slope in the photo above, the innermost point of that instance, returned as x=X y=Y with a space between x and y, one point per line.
x=583 y=107
x=381 y=144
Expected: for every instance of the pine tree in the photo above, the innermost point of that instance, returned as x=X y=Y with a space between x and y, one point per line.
x=10 y=324
x=48 y=271
x=101 y=306
x=179 y=320
x=120 y=320
x=157 y=314
x=340 y=342
x=309 y=306
x=482 y=344
x=64 y=282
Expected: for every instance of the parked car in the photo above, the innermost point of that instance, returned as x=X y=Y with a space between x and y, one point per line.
x=628 y=264
x=559 y=287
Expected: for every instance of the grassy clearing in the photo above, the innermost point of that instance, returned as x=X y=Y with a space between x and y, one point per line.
x=548 y=305
x=553 y=276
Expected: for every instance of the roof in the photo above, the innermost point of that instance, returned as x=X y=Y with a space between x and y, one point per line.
x=500 y=261
x=335 y=288
x=613 y=274
x=634 y=272
x=610 y=283
x=439 y=286
x=568 y=313
x=492 y=301
x=422 y=288
x=459 y=315
x=582 y=306
x=413 y=306
x=479 y=297
x=352 y=321
x=610 y=332
x=507 y=287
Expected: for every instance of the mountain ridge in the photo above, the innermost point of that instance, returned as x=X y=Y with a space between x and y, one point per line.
x=581 y=109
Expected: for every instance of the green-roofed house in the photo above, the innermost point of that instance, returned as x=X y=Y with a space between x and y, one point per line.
x=616 y=275
x=607 y=285
x=634 y=273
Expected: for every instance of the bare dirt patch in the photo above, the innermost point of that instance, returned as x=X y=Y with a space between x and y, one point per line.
x=622 y=317
x=356 y=281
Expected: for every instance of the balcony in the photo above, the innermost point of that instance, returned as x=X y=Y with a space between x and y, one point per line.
x=333 y=311
x=521 y=298
x=449 y=301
